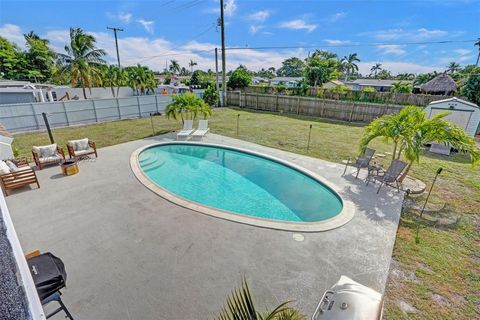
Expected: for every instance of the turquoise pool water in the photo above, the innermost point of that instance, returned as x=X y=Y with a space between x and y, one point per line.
x=239 y=182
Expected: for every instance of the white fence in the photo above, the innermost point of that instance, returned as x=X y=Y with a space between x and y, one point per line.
x=28 y=116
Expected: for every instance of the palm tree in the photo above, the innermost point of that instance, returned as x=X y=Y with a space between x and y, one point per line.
x=240 y=306
x=191 y=64
x=374 y=69
x=141 y=79
x=81 y=58
x=110 y=77
x=478 y=45
x=174 y=66
x=410 y=130
x=348 y=64
x=453 y=67
x=187 y=106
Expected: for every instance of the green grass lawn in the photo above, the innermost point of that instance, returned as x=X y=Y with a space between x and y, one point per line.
x=440 y=276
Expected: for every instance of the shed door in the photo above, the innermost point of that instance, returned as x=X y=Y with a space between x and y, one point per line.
x=459 y=117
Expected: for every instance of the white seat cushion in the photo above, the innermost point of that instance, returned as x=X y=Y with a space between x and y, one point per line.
x=83 y=152
x=4 y=169
x=53 y=158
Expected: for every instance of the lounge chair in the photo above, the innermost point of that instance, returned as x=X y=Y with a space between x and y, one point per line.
x=186 y=131
x=46 y=155
x=16 y=174
x=361 y=162
x=202 y=129
x=81 y=148
x=390 y=176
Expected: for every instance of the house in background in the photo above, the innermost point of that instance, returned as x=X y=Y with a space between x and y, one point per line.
x=378 y=84
x=289 y=82
x=259 y=80
x=442 y=85
x=332 y=84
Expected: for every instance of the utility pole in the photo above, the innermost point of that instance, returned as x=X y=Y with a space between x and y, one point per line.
x=224 y=82
x=216 y=70
x=116 y=42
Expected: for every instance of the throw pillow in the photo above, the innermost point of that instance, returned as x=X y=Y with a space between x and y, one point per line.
x=81 y=145
x=12 y=166
x=4 y=169
x=48 y=151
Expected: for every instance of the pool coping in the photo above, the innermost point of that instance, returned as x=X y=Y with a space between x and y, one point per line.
x=347 y=213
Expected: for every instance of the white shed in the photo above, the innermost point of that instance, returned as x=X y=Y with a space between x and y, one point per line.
x=463 y=113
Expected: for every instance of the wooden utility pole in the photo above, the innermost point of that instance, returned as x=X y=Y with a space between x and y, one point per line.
x=224 y=82
x=116 y=42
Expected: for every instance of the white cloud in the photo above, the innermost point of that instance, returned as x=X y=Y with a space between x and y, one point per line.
x=230 y=6
x=125 y=17
x=13 y=33
x=148 y=25
x=392 y=49
x=462 y=52
x=337 y=16
x=254 y=29
x=298 y=24
x=335 y=42
x=412 y=35
x=260 y=16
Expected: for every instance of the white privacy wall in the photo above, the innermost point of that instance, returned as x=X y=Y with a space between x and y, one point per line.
x=28 y=116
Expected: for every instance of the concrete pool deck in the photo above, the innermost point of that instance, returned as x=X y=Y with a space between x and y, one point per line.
x=131 y=254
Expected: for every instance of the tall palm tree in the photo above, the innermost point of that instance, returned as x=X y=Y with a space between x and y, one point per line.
x=478 y=45
x=348 y=64
x=110 y=77
x=81 y=58
x=191 y=64
x=410 y=130
x=141 y=79
x=174 y=66
x=374 y=69
x=453 y=67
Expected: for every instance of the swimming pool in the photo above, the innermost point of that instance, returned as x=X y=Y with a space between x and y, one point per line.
x=236 y=184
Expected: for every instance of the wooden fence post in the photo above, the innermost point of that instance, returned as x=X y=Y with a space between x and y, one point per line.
x=256 y=102
x=95 y=111
x=351 y=112
x=276 y=103
x=298 y=105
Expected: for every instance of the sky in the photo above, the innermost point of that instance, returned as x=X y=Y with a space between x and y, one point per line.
x=158 y=31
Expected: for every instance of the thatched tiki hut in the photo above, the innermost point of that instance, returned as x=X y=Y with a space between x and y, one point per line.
x=442 y=84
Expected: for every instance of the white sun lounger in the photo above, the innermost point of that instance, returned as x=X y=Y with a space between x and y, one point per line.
x=202 y=129
x=186 y=131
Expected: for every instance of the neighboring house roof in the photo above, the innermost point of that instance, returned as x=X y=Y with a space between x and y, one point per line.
x=440 y=84
x=287 y=79
x=454 y=99
x=376 y=82
x=260 y=79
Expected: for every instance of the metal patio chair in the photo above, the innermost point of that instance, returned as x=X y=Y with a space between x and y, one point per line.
x=390 y=176
x=363 y=161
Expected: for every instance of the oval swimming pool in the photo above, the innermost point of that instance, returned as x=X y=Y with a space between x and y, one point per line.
x=237 y=182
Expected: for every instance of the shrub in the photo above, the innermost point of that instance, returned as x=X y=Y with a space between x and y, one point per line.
x=240 y=78
x=471 y=89
x=211 y=96
x=369 y=90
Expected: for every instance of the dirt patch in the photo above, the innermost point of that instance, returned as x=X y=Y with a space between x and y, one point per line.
x=441 y=300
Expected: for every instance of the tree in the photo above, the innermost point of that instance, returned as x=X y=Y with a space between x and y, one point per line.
x=240 y=306
x=405 y=76
x=410 y=130
x=321 y=67
x=191 y=64
x=240 y=78
x=453 y=67
x=471 y=89
x=110 y=77
x=211 y=96
x=81 y=58
x=12 y=60
x=375 y=68
x=348 y=64
x=40 y=57
x=141 y=79
x=478 y=45
x=401 y=87
x=174 y=66
x=424 y=78
x=187 y=106
x=184 y=72
x=384 y=75
x=269 y=73
x=291 y=67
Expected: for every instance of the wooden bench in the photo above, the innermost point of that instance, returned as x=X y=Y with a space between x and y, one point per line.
x=17 y=179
